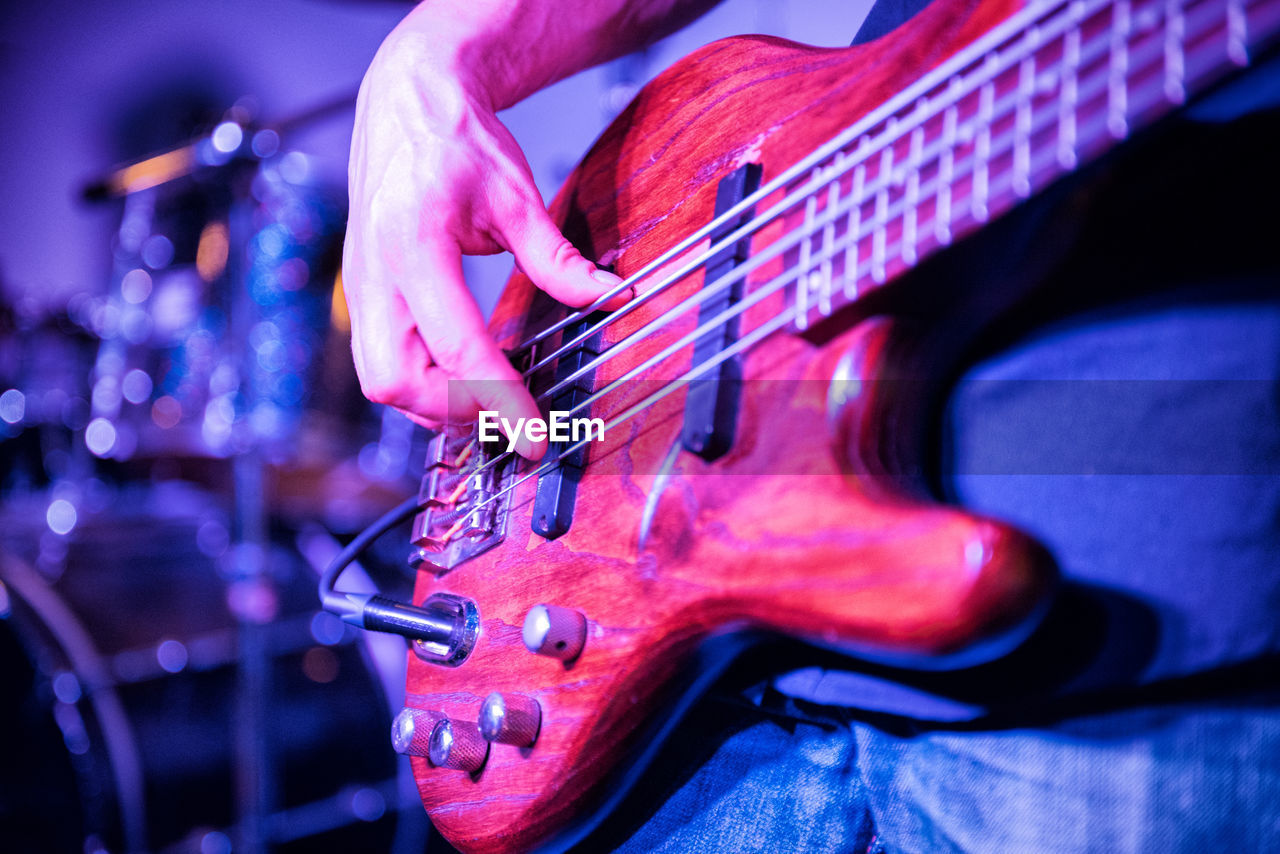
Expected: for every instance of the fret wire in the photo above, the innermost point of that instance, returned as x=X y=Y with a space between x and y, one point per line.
x=878 y=237
x=1237 y=32
x=1117 y=91
x=802 y=281
x=1022 y=147
x=828 y=241
x=928 y=82
x=1174 y=89
x=1069 y=99
x=912 y=199
x=855 y=227
x=880 y=185
x=946 y=164
x=781 y=319
x=978 y=195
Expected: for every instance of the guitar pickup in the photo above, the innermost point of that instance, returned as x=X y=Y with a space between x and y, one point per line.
x=464 y=503
x=558 y=486
x=711 y=402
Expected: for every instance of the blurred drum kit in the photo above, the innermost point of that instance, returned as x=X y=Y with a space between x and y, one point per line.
x=179 y=456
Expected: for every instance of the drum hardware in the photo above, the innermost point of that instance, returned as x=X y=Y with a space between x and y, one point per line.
x=135 y=687
x=211 y=353
x=208 y=357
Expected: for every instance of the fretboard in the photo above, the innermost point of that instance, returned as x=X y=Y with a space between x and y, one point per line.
x=1047 y=91
x=1052 y=88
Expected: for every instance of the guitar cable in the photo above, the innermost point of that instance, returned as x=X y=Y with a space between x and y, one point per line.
x=374 y=612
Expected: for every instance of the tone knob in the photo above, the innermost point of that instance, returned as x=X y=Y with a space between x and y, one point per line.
x=510 y=719
x=457 y=745
x=411 y=731
x=554 y=631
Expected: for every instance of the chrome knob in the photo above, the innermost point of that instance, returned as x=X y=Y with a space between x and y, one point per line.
x=554 y=631
x=411 y=730
x=457 y=745
x=510 y=719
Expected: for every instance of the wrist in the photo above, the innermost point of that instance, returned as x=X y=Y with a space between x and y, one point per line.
x=457 y=45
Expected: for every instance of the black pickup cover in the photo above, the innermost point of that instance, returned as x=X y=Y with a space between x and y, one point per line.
x=558 y=486
x=711 y=406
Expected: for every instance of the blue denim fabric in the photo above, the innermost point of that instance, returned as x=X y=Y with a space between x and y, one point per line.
x=768 y=787
x=1159 y=780
x=1192 y=778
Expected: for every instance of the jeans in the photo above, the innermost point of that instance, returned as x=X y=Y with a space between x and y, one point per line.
x=1197 y=777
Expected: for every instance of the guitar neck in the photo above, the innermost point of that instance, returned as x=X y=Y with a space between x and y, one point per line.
x=1052 y=88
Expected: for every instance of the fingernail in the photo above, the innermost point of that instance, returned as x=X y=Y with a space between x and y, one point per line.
x=606 y=278
x=528 y=450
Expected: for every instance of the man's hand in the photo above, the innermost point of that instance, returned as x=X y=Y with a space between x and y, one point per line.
x=434 y=175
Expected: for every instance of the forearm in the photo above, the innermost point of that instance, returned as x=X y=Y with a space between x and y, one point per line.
x=505 y=50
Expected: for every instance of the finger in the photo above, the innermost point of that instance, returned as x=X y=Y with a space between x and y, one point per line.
x=451 y=325
x=405 y=379
x=391 y=360
x=551 y=261
x=395 y=369
x=425 y=423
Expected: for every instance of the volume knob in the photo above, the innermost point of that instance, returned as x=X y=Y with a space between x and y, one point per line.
x=554 y=631
x=457 y=745
x=510 y=719
x=411 y=730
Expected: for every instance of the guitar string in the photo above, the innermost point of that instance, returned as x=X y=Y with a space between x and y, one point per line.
x=1150 y=52
x=1095 y=128
x=1090 y=131
x=748 y=340
x=868 y=147
x=1042 y=118
x=894 y=131
x=832 y=215
x=1016 y=28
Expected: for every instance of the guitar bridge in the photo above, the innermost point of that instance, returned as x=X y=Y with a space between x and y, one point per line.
x=465 y=501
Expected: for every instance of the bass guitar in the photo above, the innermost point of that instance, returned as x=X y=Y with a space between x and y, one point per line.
x=738 y=446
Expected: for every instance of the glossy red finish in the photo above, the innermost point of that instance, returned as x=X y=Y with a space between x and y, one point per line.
x=786 y=532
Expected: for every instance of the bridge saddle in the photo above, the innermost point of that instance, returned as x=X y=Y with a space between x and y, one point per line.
x=464 y=501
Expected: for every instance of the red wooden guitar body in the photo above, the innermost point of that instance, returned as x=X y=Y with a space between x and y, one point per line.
x=790 y=531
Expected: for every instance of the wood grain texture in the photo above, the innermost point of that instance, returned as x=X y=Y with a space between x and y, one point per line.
x=793 y=530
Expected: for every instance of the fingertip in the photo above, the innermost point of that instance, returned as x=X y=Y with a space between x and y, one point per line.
x=421 y=420
x=606 y=278
x=605 y=282
x=559 y=269
x=618 y=300
x=531 y=450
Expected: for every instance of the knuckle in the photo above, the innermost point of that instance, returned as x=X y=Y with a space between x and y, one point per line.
x=564 y=255
x=379 y=391
x=452 y=355
x=383 y=384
